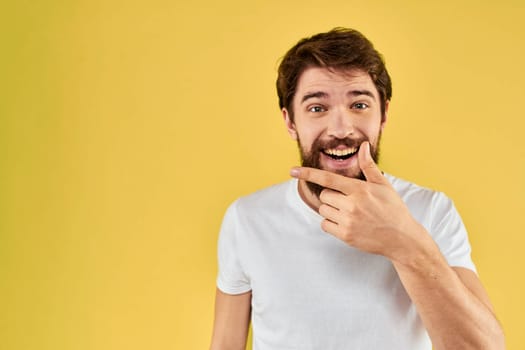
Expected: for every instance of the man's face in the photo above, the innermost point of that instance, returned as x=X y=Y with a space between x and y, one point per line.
x=334 y=112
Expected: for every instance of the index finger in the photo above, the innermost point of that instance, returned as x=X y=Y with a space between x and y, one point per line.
x=325 y=178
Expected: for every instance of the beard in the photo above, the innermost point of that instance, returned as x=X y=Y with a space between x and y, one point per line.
x=312 y=158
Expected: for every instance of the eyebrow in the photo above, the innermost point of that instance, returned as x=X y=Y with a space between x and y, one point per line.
x=362 y=92
x=321 y=94
x=317 y=94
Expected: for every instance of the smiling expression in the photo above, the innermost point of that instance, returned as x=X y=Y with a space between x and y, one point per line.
x=333 y=113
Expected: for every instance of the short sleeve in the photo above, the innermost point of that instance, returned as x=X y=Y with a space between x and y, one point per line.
x=450 y=233
x=231 y=278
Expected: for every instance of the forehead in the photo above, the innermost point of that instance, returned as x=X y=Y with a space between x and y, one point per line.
x=333 y=81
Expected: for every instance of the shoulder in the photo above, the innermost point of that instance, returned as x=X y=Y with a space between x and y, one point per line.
x=437 y=213
x=255 y=214
x=407 y=188
x=414 y=193
x=424 y=203
x=270 y=198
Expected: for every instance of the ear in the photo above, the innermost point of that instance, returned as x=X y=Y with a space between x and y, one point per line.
x=290 y=126
x=385 y=115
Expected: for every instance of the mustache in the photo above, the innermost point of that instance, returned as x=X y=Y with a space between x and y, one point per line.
x=320 y=145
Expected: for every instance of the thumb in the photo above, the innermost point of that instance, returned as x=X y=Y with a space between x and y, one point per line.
x=368 y=166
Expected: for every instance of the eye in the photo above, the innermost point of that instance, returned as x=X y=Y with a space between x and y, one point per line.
x=316 y=109
x=360 y=105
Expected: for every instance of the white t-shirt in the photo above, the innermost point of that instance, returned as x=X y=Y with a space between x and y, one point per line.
x=311 y=290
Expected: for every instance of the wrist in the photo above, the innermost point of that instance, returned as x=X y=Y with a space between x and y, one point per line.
x=419 y=252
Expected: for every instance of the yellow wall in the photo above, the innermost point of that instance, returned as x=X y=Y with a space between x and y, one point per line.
x=127 y=127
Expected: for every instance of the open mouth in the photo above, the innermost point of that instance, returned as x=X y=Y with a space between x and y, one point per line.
x=340 y=154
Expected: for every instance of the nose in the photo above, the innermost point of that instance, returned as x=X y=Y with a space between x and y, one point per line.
x=341 y=124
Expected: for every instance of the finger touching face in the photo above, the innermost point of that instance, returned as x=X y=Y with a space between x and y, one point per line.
x=325 y=179
x=334 y=113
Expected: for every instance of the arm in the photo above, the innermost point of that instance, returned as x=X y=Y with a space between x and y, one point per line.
x=370 y=215
x=451 y=302
x=232 y=319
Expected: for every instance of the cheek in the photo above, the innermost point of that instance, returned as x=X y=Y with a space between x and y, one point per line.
x=372 y=130
x=310 y=128
x=307 y=136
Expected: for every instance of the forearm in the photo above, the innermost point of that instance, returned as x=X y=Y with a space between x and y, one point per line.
x=454 y=316
x=371 y=216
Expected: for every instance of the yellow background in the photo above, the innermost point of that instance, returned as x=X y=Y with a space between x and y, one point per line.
x=127 y=127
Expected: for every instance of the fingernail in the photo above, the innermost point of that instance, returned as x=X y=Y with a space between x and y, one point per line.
x=294 y=172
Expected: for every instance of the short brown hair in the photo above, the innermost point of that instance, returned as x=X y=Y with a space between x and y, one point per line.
x=340 y=48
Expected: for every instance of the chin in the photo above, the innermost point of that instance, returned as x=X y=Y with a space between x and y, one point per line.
x=350 y=173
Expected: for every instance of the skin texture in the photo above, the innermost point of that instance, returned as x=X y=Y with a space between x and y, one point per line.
x=368 y=214
x=232 y=320
x=334 y=106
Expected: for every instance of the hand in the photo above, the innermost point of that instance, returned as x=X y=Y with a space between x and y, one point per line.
x=368 y=215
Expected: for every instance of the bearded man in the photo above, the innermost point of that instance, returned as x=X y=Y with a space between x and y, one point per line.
x=344 y=256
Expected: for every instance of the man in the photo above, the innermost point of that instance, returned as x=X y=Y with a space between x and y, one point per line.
x=344 y=256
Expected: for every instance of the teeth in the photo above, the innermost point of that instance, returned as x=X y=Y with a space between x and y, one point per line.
x=341 y=152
